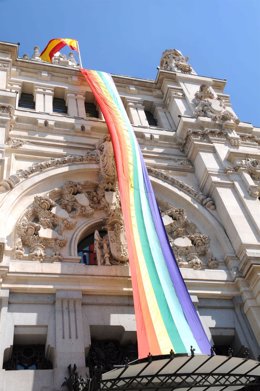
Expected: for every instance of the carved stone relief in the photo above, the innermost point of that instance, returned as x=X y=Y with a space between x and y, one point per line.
x=116 y=228
x=191 y=248
x=252 y=167
x=107 y=163
x=40 y=233
x=209 y=136
x=173 y=60
x=208 y=105
x=15 y=143
x=8 y=110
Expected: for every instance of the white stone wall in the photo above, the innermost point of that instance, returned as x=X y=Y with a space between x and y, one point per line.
x=200 y=160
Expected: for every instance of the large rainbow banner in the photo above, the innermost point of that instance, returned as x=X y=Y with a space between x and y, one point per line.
x=165 y=316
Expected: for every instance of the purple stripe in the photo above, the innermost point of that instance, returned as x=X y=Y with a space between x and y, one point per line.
x=174 y=271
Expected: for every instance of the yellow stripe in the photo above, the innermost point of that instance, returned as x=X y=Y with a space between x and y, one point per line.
x=45 y=56
x=71 y=42
x=161 y=331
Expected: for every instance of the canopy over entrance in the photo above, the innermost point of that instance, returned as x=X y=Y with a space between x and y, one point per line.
x=184 y=373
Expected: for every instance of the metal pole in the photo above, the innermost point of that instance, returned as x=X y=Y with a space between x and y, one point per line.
x=80 y=61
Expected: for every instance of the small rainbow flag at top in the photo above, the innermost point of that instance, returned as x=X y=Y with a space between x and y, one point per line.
x=165 y=316
x=56 y=44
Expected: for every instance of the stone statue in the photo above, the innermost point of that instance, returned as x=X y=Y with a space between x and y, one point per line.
x=173 y=60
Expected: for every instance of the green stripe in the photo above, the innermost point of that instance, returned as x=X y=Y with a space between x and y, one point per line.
x=170 y=326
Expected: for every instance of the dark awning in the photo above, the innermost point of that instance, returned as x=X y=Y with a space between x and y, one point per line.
x=184 y=373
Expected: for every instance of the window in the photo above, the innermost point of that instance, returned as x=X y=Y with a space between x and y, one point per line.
x=91 y=110
x=150 y=118
x=27 y=101
x=110 y=346
x=227 y=342
x=86 y=249
x=28 y=349
x=59 y=106
x=27 y=357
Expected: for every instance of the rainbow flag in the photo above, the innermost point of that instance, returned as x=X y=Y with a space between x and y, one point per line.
x=54 y=45
x=165 y=316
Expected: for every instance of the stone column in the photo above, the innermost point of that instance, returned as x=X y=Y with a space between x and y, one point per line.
x=4 y=327
x=141 y=115
x=48 y=94
x=6 y=113
x=4 y=67
x=39 y=98
x=133 y=112
x=17 y=89
x=71 y=103
x=81 y=112
x=70 y=348
x=160 y=114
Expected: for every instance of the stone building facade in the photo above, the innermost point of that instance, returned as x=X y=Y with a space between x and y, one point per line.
x=66 y=295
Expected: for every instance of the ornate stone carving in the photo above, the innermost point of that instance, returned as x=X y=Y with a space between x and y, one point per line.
x=107 y=163
x=201 y=198
x=173 y=60
x=6 y=109
x=13 y=180
x=15 y=143
x=102 y=249
x=252 y=167
x=191 y=248
x=115 y=228
x=73 y=199
x=4 y=66
x=36 y=54
x=208 y=105
x=207 y=135
x=39 y=231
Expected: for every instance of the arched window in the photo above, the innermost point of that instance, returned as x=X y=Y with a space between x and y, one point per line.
x=86 y=249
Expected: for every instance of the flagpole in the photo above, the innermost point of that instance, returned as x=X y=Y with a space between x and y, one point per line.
x=80 y=60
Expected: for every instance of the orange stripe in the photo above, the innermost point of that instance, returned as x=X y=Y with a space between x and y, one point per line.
x=141 y=305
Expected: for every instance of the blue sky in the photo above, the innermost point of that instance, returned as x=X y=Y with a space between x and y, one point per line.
x=221 y=37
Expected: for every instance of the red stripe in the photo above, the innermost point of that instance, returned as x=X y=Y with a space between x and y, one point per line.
x=120 y=148
x=56 y=48
x=46 y=47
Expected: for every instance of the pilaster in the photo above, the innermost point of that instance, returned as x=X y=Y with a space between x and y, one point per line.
x=81 y=112
x=163 y=120
x=70 y=347
x=4 y=327
x=71 y=103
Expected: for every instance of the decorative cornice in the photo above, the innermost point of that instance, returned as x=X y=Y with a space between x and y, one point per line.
x=198 y=196
x=13 y=180
x=207 y=135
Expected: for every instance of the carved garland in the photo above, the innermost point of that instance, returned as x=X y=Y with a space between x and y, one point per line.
x=13 y=180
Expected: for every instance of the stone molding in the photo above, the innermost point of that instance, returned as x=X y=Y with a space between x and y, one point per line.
x=20 y=175
x=209 y=135
x=204 y=200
